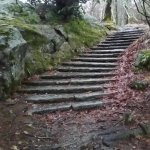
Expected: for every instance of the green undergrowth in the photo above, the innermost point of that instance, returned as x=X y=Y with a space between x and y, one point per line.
x=25 y=14
x=82 y=34
x=143 y=60
x=139 y=85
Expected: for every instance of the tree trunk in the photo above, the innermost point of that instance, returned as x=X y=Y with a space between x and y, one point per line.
x=108 y=13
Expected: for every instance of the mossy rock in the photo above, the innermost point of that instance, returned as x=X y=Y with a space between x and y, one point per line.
x=139 y=85
x=143 y=60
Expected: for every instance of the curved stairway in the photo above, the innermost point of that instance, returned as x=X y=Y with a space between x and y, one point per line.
x=79 y=83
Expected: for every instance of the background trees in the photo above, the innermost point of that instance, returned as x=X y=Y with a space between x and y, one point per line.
x=118 y=11
x=64 y=8
x=143 y=7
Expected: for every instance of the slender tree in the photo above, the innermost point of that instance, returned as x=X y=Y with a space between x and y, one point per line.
x=143 y=7
x=108 y=12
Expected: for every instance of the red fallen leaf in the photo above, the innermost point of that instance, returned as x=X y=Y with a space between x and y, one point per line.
x=124 y=75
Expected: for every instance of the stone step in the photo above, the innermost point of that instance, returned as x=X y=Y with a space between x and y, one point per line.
x=41 y=109
x=118 y=41
x=52 y=98
x=114 y=51
x=88 y=105
x=85 y=69
x=50 y=108
x=61 y=89
x=68 y=82
x=114 y=44
x=121 y=38
x=127 y=34
x=130 y=32
x=68 y=75
x=88 y=64
x=93 y=59
x=109 y=48
x=99 y=55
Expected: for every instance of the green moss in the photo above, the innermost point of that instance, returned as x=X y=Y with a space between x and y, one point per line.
x=143 y=60
x=110 y=25
x=80 y=35
x=83 y=34
x=64 y=54
x=38 y=63
x=139 y=85
x=24 y=14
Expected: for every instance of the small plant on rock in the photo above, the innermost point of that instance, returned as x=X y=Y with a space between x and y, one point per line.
x=139 y=85
x=143 y=60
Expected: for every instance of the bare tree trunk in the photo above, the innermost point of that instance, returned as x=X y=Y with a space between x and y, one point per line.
x=114 y=11
x=143 y=12
x=108 y=12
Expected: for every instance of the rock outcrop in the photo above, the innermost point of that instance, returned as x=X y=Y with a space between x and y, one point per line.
x=27 y=46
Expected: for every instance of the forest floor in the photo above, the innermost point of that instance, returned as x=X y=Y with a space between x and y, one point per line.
x=83 y=130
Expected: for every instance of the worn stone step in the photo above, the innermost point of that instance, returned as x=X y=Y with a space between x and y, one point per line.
x=41 y=109
x=118 y=41
x=109 y=48
x=114 y=51
x=126 y=34
x=85 y=69
x=130 y=32
x=121 y=38
x=50 y=108
x=88 y=105
x=52 y=98
x=68 y=75
x=114 y=55
x=93 y=59
x=68 y=82
x=61 y=89
x=114 y=44
x=89 y=64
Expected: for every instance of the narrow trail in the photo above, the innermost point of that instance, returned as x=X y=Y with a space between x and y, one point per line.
x=79 y=83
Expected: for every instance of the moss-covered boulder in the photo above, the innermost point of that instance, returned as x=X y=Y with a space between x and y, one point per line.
x=13 y=49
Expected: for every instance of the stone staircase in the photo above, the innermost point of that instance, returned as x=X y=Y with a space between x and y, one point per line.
x=79 y=83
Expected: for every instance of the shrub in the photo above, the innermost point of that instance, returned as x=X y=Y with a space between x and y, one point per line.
x=138 y=85
x=66 y=9
x=143 y=60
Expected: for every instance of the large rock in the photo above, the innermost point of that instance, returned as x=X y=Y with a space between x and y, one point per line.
x=13 y=49
x=55 y=37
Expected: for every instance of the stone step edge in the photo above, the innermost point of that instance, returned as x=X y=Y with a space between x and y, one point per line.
x=85 y=69
x=68 y=106
x=77 y=75
x=44 y=82
x=52 y=98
